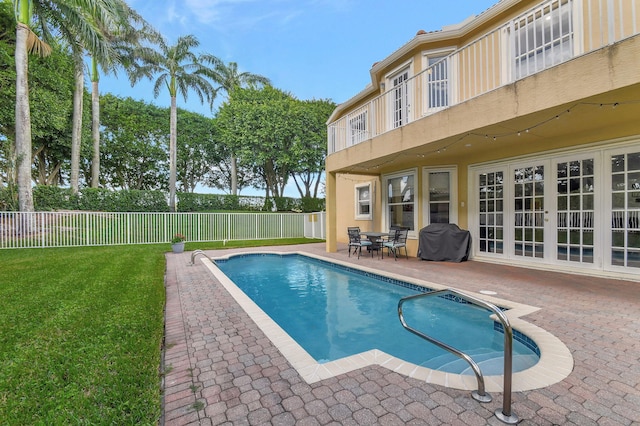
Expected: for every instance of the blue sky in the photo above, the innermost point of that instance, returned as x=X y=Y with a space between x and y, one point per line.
x=314 y=49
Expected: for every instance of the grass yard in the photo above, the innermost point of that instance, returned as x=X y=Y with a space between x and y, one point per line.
x=81 y=333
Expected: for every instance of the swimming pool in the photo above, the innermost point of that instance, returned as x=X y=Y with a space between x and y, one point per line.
x=335 y=312
x=555 y=364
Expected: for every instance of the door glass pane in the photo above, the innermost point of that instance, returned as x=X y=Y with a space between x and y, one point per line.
x=633 y=161
x=633 y=259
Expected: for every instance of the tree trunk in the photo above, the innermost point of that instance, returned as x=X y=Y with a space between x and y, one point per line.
x=173 y=136
x=41 y=165
x=76 y=132
x=234 y=175
x=315 y=189
x=95 y=133
x=23 y=121
x=300 y=191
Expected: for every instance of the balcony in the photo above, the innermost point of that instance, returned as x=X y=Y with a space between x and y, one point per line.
x=547 y=35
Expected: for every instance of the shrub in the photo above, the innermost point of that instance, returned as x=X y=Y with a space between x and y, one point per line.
x=46 y=198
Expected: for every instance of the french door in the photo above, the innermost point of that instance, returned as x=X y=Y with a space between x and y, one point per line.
x=578 y=210
x=538 y=211
x=576 y=206
x=530 y=216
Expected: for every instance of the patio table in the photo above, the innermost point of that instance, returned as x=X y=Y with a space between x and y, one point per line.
x=375 y=238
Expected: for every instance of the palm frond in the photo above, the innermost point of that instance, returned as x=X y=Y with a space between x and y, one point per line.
x=35 y=45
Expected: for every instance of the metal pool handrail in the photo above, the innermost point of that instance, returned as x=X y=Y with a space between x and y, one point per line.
x=505 y=415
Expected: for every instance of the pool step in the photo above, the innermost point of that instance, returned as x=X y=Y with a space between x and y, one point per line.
x=446 y=361
x=489 y=361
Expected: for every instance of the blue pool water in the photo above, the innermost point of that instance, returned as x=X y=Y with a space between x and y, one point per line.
x=334 y=312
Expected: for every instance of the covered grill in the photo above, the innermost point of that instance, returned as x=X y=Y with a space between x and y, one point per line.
x=444 y=242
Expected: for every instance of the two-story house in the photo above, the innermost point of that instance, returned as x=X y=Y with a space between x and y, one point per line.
x=521 y=125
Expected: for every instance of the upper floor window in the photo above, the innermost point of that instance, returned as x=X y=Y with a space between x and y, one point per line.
x=363 y=202
x=543 y=38
x=437 y=82
x=358 y=128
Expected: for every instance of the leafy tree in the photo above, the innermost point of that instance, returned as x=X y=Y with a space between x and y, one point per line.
x=50 y=92
x=226 y=170
x=69 y=19
x=7 y=94
x=134 y=139
x=180 y=70
x=197 y=149
x=310 y=147
x=259 y=125
x=229 y=78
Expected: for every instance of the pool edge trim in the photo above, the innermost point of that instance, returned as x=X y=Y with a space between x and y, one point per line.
x=555 y=364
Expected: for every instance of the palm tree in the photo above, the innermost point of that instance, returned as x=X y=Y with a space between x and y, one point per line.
x=228 y=77
x=76 y=125
x=126 y=35
x=180 y=70
x=71 y=19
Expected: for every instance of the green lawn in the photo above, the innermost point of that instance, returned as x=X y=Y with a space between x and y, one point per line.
x=81 y=333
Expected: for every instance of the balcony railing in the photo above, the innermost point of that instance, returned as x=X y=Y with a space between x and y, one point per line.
x=546 y=35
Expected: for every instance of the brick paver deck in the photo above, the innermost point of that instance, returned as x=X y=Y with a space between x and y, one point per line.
x=221 y=369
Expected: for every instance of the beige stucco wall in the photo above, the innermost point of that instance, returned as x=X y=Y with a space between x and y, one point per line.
x=556 y=110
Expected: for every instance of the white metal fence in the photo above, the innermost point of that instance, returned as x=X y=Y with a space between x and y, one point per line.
x=73 y=228
x=496 y=59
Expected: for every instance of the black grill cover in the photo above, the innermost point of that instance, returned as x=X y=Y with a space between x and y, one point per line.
x=444 y=241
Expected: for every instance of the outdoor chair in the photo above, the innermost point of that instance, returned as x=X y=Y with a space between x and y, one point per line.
x=356 y=241
x=390 y=237
x=393 y=245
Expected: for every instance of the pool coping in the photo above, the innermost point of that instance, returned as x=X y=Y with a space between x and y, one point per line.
x=555 y=364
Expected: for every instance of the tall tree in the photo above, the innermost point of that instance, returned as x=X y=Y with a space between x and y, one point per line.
x=180 y=70
x=229 y=78
x=126 y=35
x=221 y=174
x=72 y=21
x=78 y=102
x=134 y=134
x=310 y=147
x=260 y=125
x=197 y=149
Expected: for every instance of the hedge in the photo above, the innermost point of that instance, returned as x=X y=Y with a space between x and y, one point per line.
x=46 y=198
x=191 y=202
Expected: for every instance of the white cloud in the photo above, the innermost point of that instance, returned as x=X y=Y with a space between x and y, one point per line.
x=241 y=15
x=216 y=11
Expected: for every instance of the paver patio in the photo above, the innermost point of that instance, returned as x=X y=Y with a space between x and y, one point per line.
x=221 y=369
